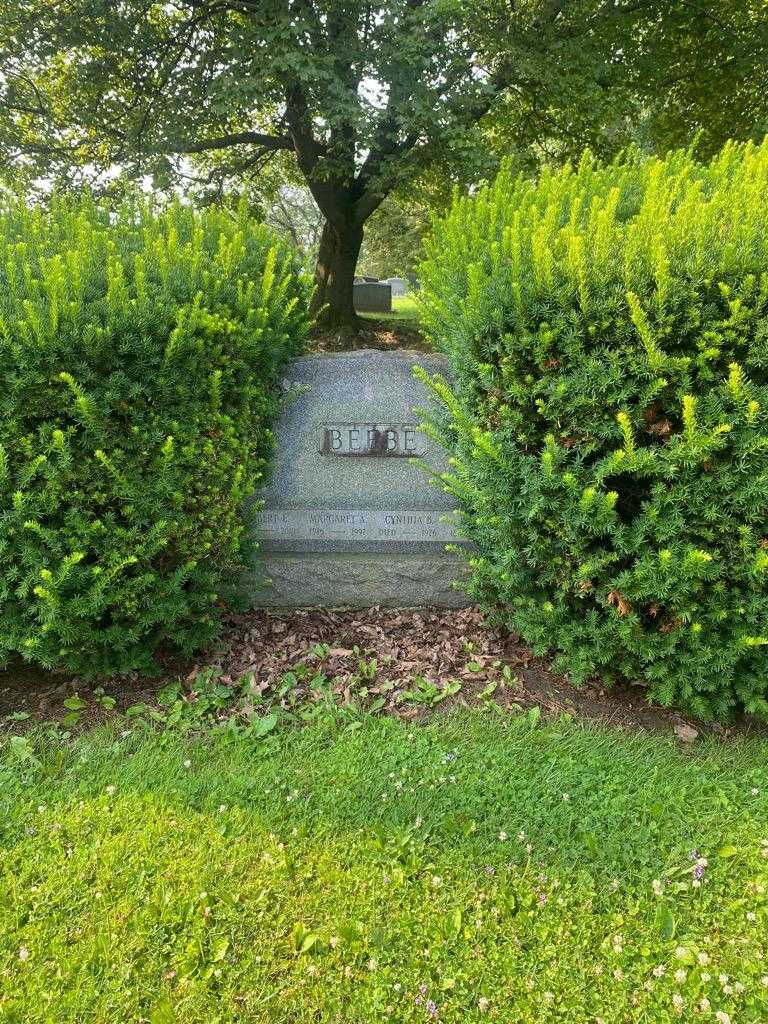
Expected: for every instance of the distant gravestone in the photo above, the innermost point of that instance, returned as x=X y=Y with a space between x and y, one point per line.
x=398 y=285
x=348 y=518
x=372 y=297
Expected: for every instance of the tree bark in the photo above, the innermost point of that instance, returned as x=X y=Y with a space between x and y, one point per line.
x=332 y=304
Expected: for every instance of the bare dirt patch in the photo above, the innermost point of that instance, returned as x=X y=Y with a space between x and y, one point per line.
x=383 y=335
x=377 y=654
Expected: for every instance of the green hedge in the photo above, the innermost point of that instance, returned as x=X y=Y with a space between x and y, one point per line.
x=608 y=331
x=138 y=353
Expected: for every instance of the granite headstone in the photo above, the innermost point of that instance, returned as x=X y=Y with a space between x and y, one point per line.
x=398 y=285
x=372 y=297
x=348 y=518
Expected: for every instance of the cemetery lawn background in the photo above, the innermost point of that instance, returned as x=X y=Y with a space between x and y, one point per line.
x=400 y=329
x=404 y=307
x=358 y=869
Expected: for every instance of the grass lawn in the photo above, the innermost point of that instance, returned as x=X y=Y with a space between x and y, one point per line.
x=477 y=868
x=403 y=308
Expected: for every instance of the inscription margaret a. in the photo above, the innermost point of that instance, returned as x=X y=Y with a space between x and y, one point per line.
x=356 y=524
x=372 y=440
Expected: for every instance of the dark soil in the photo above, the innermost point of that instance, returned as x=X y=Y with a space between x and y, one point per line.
x=439 y=645
x=385 y=335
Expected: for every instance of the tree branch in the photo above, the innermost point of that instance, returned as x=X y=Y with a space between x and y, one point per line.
x=227 y=141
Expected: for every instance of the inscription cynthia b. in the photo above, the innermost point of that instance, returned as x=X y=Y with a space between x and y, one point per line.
x=372 y=440
x=356 y=525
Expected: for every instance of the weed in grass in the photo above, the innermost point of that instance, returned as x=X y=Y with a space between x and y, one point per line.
x=427 y=693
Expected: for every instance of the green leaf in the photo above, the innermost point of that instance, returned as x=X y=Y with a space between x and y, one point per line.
x=303 y=940
x=665 y=922
x=263 y=726
x=162 y=1013
x=453 y=923
x=533 y=717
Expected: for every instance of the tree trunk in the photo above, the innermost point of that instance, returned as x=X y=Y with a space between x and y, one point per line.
x=334 y=276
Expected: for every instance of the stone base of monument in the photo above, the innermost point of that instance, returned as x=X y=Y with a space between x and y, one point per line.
x=359 y=581
x=349 y=518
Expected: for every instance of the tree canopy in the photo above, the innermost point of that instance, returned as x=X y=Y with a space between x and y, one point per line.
x=364 y=97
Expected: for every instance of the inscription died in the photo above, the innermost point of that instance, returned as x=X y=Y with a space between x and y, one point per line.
x=345 y=524
x=372 y=440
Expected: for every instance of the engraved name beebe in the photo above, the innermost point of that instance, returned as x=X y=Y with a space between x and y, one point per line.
x=354 y=524
x=372 y=440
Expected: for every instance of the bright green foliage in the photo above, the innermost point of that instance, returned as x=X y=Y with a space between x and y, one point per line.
x=608 y=328
x=364 y=98
x=137 y=354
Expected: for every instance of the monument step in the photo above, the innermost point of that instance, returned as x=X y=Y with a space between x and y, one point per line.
x=362 y=580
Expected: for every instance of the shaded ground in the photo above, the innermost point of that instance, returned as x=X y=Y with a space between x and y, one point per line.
x=384 y=331
x=406 y=662
x=376 y=333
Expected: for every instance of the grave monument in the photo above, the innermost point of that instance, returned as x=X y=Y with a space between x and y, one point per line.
x=348 y=518
x=372 y=297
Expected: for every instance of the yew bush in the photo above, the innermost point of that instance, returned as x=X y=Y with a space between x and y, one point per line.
x=138 y=355
x=607 y=328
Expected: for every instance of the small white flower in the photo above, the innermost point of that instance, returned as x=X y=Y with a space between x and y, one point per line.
x=764 y=980
x=187 y=763
x=751 y=915
x=503 y=837
x=483 y=1004
x=722 y=1017
x=437 y=881
x=677 y=1002
x=755 y=791
x=109 y=790
x=549 y=997
x=222 y=808
x=703 y=958
x=23 y=954
x=566 y=797
x=705 y=977
x=373 y=964
x=657 y=887
x=659 y=971
x=680 y=976
x=704 y=1005
x=681 y=952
